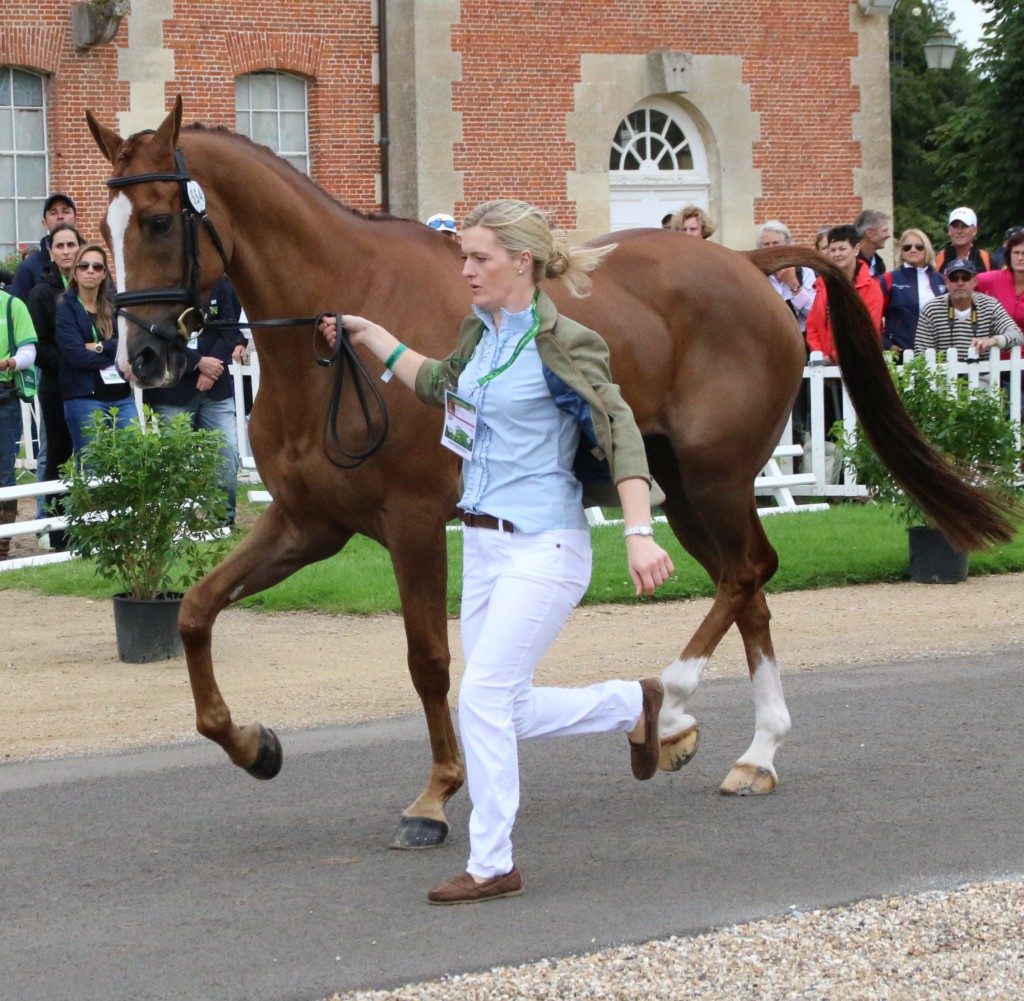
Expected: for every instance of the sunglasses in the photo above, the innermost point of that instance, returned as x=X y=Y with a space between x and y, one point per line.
x=959 y=278
x=912 y=246
x=91 y=266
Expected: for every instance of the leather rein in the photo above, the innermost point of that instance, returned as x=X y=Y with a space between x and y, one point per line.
x=176 y=334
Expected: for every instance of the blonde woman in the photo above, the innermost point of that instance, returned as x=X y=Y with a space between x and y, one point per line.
x=908 y=289
x=693 y=221
x=89 y=377
x=526 y=545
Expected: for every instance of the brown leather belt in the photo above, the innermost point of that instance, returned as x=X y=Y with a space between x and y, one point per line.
x=486 y=521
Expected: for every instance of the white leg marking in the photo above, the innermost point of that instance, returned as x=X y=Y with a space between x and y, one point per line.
x=680 y=679
x=771 y=717
x=119 y=212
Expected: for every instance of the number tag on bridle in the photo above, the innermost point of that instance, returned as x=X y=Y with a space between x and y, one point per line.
x=196 y=198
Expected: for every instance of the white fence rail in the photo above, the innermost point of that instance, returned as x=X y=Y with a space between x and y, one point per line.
x=791 y=489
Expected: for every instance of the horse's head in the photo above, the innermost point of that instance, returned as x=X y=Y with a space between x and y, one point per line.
x=153 y=226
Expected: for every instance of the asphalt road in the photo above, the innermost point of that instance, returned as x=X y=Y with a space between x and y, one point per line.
x=169 y=874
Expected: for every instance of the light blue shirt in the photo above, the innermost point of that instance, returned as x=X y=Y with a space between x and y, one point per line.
x=521 y=469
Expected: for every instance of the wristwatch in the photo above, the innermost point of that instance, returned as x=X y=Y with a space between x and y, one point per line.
x=638 y=530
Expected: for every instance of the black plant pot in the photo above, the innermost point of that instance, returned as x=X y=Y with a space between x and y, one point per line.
x=147 y=628
x=933 y=560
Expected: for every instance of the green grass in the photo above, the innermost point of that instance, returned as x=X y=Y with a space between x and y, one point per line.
x=848 y=544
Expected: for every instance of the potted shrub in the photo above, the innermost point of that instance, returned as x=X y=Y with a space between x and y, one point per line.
x=971 y=427
x=144 y=504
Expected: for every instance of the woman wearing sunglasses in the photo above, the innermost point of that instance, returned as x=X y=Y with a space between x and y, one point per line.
x=89 y=377
x=908 y=289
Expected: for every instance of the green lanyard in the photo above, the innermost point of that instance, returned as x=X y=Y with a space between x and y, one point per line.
x=523 y=341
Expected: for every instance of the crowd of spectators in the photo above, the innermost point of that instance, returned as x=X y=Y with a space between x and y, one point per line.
x=63 y=319
x=962 y=297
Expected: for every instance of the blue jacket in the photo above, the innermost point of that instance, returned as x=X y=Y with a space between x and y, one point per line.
x=902 y=305
x=222 y=305
x=30 y=271
x=79 y=365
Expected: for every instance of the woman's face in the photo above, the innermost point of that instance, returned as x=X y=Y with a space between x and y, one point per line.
x=912 y=251
x=1017 y=260
x=691 y=227
x=496 y=279
x=63 y=248
x=90 y=270
x=843 y=255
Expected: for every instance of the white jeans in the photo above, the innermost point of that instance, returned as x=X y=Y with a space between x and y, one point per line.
x=517 y=592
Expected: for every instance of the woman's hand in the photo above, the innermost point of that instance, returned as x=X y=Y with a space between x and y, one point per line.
x=359 y=329
x=649 y=565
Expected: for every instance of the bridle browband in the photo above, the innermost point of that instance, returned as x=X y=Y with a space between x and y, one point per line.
x=176 y=336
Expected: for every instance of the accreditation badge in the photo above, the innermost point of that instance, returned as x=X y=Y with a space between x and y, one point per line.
x=459 y=432
x=111 y=376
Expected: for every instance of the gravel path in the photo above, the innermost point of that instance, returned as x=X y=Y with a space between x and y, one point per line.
x=966 y=943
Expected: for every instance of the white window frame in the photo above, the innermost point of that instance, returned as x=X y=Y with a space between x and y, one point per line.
x=652 y=173
x=10 y=246
x=245 y=128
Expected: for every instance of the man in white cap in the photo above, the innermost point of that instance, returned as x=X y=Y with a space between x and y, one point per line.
x=444 y=223
x=962 y=229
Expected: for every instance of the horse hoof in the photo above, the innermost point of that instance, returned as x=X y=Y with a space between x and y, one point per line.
x=419 y=832
x=677 y=751
x=748 y=780
x=269 y=756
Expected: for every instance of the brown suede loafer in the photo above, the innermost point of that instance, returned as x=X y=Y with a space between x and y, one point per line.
x=463 y=889
x=644 y=757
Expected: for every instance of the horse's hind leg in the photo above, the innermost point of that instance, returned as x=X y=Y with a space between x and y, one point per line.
x=421 y=569
x=679 y=729
x=727 y=538
x=272 y=550
x=754 y=771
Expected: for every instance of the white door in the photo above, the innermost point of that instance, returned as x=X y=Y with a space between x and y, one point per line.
x=656 y=166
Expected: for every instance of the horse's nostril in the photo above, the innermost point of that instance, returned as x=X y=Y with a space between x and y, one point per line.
x=144 y=361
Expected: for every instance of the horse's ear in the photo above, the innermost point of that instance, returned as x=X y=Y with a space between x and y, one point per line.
x=171 y=125
x=108 y=140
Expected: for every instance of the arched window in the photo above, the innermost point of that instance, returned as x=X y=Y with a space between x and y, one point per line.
x=649 y=141
x=271 y=109
x=23 y=158
x=657 y=163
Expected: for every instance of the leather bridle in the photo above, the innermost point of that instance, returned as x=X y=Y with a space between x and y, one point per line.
x=176 y=335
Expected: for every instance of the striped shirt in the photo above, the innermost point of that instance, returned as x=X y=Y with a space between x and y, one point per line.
x=935 y=328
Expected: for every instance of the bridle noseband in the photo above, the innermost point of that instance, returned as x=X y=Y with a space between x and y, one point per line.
x=176 y=335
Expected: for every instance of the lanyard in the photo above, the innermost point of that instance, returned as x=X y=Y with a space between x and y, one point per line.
x=974 y=319
x=523 y=341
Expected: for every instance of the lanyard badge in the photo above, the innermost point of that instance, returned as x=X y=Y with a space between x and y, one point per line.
x=459 y=431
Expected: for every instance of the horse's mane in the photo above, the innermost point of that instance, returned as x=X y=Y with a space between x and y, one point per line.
x=314 y=189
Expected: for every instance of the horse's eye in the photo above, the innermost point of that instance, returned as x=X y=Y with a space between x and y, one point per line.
x=160 y=225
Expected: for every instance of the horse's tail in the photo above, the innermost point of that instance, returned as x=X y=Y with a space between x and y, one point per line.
x=967 y=515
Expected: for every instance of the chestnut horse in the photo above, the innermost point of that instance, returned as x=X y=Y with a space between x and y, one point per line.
x=706 y=353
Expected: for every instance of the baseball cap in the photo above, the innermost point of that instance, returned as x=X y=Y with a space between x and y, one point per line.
x=445 y=223
x=963 y=214
x=58 y=197
x=960 y=264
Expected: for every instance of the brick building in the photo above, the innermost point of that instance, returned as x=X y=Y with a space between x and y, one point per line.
x=609 y=113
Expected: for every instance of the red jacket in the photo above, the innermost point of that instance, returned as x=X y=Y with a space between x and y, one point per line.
x=819 y=327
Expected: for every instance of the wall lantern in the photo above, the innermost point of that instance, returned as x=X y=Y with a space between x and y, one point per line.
x=940 y=51
x=94 y=22
x=878 y=6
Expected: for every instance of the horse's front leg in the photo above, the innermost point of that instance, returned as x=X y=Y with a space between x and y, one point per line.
x=418 y=552
x=273 y=549
x=754 y=772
